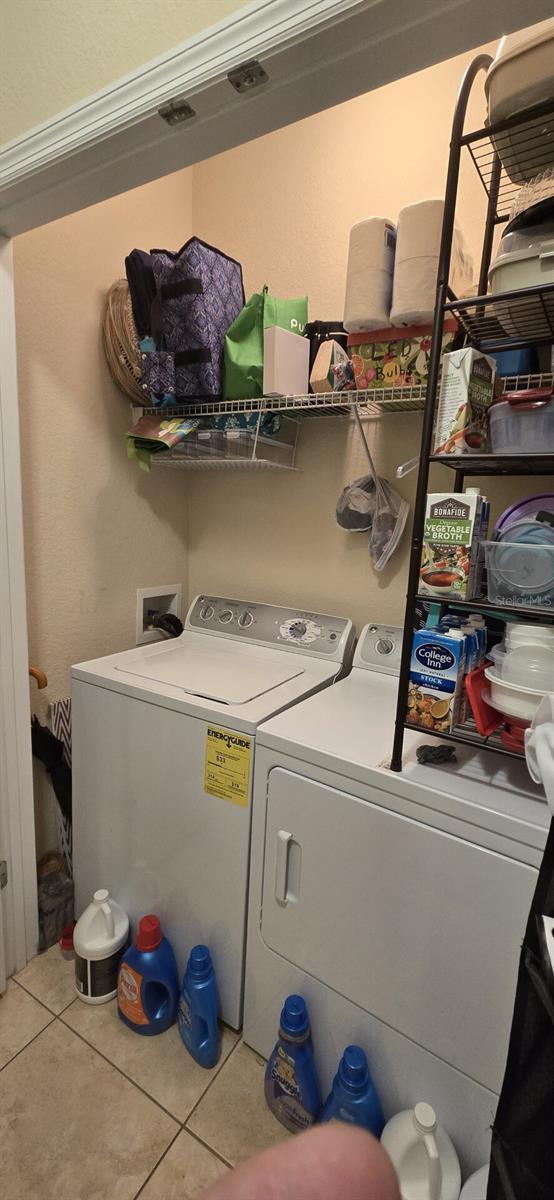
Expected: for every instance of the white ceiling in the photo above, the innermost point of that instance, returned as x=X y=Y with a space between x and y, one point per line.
x=118 y=141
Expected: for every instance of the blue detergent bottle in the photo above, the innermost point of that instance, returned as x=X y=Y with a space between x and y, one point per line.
x=292 y=1088
x=353 y=1098
x=199 y=1007
x=147 y=984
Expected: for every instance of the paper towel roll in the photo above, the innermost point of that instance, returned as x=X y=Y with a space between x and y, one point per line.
x=417 y=260
x=369 y=275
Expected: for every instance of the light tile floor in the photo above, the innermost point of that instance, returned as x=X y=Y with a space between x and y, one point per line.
x=91 y=1111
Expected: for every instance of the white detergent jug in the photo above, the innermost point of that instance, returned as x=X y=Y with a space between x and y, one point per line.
x=475 y=1188
x=100 y=937
x=423 y=1155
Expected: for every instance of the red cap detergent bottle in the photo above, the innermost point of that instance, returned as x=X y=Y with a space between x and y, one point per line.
x=147 y=984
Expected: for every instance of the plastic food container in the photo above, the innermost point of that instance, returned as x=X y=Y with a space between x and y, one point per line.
x=511 y=699
x=522 y=75
x=540 y=502
x=525 y=259
x=520 y=573
x=525 y=666
x=519 y=634
x=523 y=423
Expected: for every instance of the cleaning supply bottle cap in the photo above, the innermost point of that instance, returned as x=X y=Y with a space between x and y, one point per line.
x=149 y=933
x=200 y=963
x=353 y=1067
x=294 y=1016
x=425 y=1117
x=101 y=896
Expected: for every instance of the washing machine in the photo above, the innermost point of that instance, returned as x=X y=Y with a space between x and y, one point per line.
x=395 y=903
x=163 y=755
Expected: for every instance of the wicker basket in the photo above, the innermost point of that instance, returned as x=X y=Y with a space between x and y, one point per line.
x=121 y=343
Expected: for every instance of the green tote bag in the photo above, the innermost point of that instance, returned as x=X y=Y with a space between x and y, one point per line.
x=244 y=341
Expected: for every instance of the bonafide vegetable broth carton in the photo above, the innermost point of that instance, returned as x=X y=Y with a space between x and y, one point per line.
x=450 y=561
x=436 y=679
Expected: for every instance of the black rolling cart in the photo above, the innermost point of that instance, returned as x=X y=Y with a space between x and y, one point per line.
x=520 y=146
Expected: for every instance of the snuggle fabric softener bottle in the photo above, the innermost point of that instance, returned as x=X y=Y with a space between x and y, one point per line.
x=353 y=1098
x=147 y=985
x=198 y=1008
x=291 y=1085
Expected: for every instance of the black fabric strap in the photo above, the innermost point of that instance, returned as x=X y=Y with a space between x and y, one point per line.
x=186 y=358
x=182 y=287
x=497 y=1152
x=540 y=985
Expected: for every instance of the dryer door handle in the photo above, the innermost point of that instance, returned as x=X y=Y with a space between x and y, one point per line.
x=281 y=864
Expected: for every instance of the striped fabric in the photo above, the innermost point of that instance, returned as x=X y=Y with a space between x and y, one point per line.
x=60 y=723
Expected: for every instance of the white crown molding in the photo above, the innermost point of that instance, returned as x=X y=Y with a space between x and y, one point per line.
x=317 y=53
x=257 y=29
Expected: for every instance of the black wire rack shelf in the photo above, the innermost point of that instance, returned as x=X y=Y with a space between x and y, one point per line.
x=507 y=154
x=507 y=320
x=469 y=737
x=506 y=611
x=525 y=145
x=497 y=464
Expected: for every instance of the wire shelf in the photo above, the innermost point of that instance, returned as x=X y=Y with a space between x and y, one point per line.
x=525 y=145
x=507 y=320
x=487 y=606
x=468 y=736
x=497 y=464
x=372 y=401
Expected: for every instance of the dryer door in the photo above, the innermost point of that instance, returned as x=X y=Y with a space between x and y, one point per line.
x=417 y=926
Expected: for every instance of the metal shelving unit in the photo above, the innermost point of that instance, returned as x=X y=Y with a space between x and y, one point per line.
x=505 y=154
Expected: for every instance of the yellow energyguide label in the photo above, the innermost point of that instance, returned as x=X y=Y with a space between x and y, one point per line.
x=227 y=765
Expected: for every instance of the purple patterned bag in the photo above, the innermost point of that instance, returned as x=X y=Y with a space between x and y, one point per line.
x=199 y=293
x=158 y=372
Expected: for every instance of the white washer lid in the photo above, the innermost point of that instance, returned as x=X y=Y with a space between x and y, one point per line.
x=214 y=674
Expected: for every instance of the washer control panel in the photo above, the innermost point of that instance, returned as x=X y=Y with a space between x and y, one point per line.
x=379 y=648
x=268 y=624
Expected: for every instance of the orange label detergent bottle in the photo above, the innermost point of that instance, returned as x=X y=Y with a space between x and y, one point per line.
x=147 y=985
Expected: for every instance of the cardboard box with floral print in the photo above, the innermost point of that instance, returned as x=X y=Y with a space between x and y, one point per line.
x=396 y=357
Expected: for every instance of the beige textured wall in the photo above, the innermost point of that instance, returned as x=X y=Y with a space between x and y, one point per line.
x=96 y=528
x=54 y=53
x=284 y=206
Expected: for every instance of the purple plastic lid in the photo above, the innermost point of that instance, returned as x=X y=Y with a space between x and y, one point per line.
x=524 y=508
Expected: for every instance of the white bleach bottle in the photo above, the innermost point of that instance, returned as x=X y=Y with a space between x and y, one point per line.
x=100 y=938
x=423 y=1156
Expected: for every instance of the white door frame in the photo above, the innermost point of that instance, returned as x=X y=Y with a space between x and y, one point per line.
x=18 y=905
x=317 y=53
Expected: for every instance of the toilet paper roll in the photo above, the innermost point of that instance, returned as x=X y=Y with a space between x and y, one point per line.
x=417 y=260
x=369 y=275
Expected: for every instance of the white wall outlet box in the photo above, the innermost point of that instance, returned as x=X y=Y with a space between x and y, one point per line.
x=167 y=598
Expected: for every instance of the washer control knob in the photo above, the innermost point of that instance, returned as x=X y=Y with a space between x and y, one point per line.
x=207 y=612
x=384 y=646
x=225 y=616
x=298 y=629
x=245 y=619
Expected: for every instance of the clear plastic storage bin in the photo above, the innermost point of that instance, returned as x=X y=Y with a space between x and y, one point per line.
x=520 y=574
x=523 y=426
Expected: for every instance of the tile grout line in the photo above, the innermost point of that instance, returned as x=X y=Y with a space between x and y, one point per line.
x=30 y=1042
x=41 y=1002
x=156 y=1165
x=212 y=1081
x=182 y=1128
x=216 y=1153
x=138 y=1086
